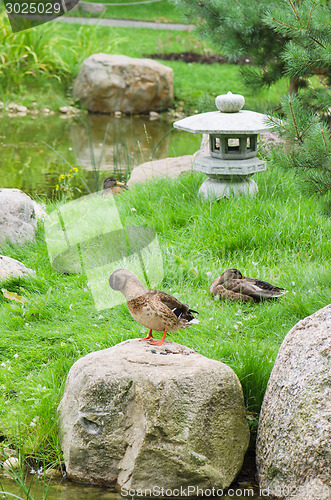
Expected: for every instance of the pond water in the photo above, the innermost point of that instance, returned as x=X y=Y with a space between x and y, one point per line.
x=66 y=490
x=99 y=145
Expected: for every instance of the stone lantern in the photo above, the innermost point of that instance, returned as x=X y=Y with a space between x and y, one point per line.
x=232 y=144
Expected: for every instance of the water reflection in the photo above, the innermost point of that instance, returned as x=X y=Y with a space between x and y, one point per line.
x=67 y=490
x=62 y=490
x=119 y=144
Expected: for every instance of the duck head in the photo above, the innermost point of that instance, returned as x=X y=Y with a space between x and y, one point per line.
x=125 y=281
x=111 y=182
x=231 y=274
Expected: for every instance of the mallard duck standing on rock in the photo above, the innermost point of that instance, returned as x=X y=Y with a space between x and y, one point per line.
x=234 y=286
x=153 y=309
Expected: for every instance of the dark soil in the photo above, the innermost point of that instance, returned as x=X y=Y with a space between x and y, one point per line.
x=194 y=57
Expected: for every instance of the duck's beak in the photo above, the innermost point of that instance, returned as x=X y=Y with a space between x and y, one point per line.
x=121 y=184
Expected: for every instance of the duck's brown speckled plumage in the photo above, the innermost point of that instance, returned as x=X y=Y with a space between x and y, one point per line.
x=234 y=286
x=153 y=309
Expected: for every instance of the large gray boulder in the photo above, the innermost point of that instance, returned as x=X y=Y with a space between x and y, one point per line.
x=18 y=216
x=108 y=83
x=293 y=444
x=137 y=416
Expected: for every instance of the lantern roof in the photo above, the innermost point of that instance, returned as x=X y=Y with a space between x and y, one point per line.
x=217 y=122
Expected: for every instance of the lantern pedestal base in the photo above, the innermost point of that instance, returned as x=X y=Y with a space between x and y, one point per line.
x=213 y=188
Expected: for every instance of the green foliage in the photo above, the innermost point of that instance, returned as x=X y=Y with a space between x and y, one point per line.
x=31 y=52
x=237 y=30
x=45 y=53
x=29 y=486
x=308 y=148
x=280 y=37
x=27 y=307
x=307 y=24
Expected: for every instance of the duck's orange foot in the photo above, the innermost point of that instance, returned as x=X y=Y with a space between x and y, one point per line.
x=159 y=342
x=156 y=342
x=149 y=336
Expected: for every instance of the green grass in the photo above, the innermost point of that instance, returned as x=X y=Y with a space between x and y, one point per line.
x=279 y=236
x=162 y=11
x=57 y=52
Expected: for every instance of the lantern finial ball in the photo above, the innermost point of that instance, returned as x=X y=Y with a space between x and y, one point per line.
x=230 y=103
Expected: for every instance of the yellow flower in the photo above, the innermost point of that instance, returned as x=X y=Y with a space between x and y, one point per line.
x=57 y=187
x=75 y=169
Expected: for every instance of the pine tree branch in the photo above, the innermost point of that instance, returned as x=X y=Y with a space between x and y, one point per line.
x=295 y=123
x=277 y=123
x=295 y=12
x=283 y=24
x=202 y=5
x=310 y=13
x=316 y=41
x=207 y=8
x=294 y=29
x=324 y=140
x=307 y=128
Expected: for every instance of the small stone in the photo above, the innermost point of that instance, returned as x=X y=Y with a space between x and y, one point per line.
x=153 y=115
x=118 y=114
x=16 y=108
x=11 y=463
x=68 y=110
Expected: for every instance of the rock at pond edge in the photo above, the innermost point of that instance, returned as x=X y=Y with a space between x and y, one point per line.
x=293 y=443
x=136 y=416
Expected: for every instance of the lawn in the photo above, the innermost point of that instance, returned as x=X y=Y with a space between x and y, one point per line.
x=279 y=236
x=160 y=11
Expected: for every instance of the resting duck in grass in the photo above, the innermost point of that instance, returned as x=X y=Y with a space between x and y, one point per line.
x=153 y=309
x=234 y=286
x=113 y=185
